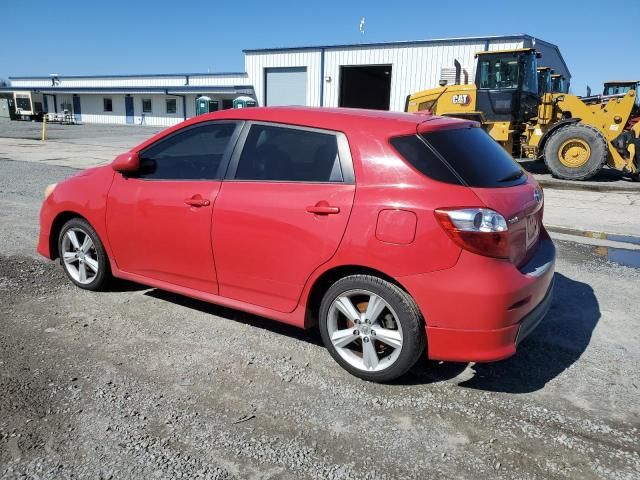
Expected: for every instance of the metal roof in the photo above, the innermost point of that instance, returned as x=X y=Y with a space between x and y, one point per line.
x=407 y=43
x=181 y=90
x=135 y=75
x=401 y=43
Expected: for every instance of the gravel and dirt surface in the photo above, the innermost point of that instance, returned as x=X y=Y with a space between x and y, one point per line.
x=83 y=134
x=140 y=383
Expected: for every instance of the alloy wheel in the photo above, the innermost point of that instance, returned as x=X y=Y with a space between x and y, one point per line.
x=364 y=330
x=79 y=256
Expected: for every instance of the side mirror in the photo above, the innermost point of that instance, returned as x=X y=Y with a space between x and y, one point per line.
x=128 y=162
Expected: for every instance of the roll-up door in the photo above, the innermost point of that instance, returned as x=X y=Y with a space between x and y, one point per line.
x=286 y=86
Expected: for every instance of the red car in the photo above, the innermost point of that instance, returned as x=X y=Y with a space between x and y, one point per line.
x=393 y=232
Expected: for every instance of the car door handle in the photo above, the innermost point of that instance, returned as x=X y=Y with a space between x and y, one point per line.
x=323 y=208
x=197 y=202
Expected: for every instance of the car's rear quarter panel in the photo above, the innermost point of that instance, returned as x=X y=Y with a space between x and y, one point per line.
x=385 y=182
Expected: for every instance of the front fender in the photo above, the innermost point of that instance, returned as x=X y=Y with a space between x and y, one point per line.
x=85 y=195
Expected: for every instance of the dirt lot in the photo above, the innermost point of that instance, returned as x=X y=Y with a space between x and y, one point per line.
x=140 y=383
x=85 y=134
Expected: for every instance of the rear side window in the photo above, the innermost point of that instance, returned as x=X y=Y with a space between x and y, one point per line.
x=423 y=159
x=272 y=153
x=192 y=154
x=466 y=156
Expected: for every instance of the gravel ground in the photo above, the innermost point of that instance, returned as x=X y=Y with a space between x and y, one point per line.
x=87 y=134
x=140 y=383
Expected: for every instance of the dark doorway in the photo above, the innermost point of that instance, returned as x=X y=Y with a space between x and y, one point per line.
x=128 y=109
x=367 y=86
x=77 y=110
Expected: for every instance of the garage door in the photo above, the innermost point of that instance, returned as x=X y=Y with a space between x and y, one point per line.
x=286 y=86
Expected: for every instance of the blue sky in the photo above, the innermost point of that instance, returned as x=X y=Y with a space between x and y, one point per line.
x=135 y=36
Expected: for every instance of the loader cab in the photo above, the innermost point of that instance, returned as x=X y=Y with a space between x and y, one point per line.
x=544 y=80
x=558 y=84
x=507 y=84
x=621 y=87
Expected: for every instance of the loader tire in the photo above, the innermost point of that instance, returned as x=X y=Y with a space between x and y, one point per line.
x=575 y=152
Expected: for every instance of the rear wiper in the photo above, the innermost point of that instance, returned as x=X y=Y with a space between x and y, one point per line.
x=512 y=176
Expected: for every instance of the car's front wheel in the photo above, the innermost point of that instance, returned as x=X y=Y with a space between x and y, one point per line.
x=371 y=327
x=82 y=255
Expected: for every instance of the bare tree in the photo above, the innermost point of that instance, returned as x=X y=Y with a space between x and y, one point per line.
x=3 y=83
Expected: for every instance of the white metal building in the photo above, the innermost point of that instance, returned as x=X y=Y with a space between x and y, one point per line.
x=374 y=75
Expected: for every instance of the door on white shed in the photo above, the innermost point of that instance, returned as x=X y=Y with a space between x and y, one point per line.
x=285 y=86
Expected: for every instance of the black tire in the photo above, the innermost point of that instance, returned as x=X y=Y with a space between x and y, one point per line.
x=409 y=317
x=585 y=133
x=103 y=276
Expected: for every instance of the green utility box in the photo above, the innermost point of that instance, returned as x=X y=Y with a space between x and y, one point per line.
x=206 y=105
x=244 y=102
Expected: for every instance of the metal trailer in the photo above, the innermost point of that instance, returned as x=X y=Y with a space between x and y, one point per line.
x=28 y=105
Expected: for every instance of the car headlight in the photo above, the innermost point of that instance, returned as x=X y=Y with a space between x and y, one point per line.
x=49 y=190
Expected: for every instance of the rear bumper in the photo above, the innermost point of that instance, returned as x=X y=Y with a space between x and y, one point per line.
x=487 y=345
x=479 y=310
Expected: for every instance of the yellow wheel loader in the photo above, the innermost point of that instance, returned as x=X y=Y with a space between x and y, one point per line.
x=618 y=87
x=575 y=136
x=558 y=83
x=503 y=97
x=544 y=80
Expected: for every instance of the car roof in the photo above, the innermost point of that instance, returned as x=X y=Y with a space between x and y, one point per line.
x=345 y=120
x=317 y=116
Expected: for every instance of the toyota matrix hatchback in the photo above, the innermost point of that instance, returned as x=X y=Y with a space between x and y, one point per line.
x=397 y=234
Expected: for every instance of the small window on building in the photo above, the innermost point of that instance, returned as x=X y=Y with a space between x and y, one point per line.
x=107 y=105
x=171 y=105
x=146 y=105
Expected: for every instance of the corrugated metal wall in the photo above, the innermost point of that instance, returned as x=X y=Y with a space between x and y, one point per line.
x=415 y=67
x=256 y=63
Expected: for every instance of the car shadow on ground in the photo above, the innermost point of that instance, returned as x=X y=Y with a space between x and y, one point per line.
x=311 y=336
x=553 y=347
x=120 y=285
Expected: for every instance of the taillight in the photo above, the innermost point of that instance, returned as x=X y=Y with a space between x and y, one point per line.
x=479 y=230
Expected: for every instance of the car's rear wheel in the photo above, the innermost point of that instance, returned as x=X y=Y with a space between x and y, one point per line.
x=371 y=327
x=82 y=255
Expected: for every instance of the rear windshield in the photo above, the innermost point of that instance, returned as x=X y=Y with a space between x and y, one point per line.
x=467 y=156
